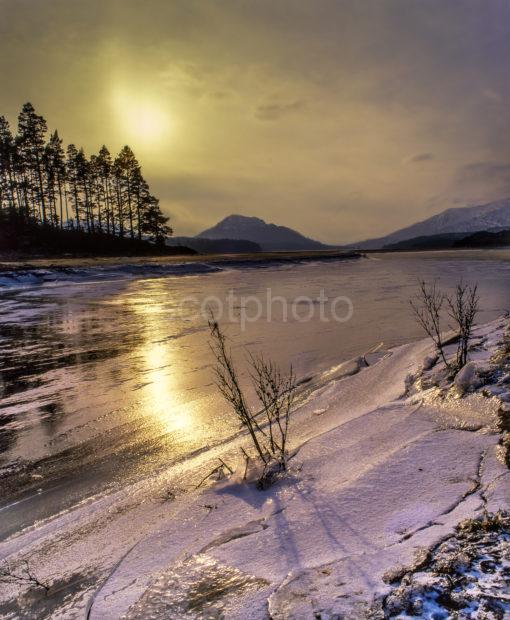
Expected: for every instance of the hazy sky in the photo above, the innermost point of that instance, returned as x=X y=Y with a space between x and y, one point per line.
x=344 y=119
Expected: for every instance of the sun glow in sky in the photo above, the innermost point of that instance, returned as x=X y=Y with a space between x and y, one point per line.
x=143 y=120
x=343 y=119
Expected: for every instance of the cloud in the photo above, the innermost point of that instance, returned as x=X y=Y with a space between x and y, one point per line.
x=474 y=183
x=193 y=188
x=275 y=111
x=219 y=94
x=485 y=171
x=421 y=157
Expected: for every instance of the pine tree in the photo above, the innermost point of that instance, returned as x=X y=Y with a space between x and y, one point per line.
x=7 y=178
x=154 y=222
x=118 y=195
x=32 y=129
x=128 y=168
x=72 y=179
x=82 y=168
x=50 y=183
x=55 y=153
x=23 y=182
x=96 y=191
x=104 y=169
x=140 y=190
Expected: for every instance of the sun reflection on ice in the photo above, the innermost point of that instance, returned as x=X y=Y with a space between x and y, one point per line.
x=159 y=363
x=162 y=390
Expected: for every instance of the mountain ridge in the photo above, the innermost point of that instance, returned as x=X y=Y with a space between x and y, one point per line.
x=270 y=237
x=492 y=217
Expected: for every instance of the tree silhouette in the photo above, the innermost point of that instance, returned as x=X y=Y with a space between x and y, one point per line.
x=32 y=130
x=7 y=174
x=43 y=183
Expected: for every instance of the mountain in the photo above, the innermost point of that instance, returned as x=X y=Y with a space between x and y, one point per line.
x=216 y=246
x=270 y=237
x=493 y=217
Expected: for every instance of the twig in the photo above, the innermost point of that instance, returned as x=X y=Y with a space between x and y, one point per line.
x=208 y=476
x=225 y=465
x=246 y=461
x=214 y=471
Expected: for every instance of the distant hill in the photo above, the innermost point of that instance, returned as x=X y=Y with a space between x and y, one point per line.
x=216 y=246
x=485 y=239
x=427 y=242
x=492 y=217
x=269 y=237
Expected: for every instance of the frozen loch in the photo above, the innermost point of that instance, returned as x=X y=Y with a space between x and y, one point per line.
x=394 y=506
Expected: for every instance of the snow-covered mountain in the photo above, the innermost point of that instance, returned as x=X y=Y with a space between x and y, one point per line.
x=494 y=216
x=270 y=237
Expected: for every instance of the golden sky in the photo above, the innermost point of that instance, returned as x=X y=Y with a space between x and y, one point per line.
x=344 y=119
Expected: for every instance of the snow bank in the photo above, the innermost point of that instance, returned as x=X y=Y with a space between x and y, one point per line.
x=11 y=279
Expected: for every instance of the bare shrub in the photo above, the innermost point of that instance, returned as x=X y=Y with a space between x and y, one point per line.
x=427 y=310
x=462 y=307
x=227 y=382
x=269 y=427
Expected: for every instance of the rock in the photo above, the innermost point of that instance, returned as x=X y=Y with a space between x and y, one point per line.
x=357 y=364
x=486 y=369
x=429 y=362
x=348 y=368
x=467 y=378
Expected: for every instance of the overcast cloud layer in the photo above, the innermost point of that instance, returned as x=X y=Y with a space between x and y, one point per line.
x=343 y=119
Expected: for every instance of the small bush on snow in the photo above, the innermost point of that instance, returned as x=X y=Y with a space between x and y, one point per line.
x=269 y=428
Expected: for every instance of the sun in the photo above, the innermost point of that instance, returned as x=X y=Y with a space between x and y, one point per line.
x=142 y=119
x=148 y=121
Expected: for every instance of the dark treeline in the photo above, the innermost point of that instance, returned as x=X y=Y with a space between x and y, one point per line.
x=42 y=183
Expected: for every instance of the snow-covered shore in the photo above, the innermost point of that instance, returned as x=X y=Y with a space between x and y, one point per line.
x=388 y=461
